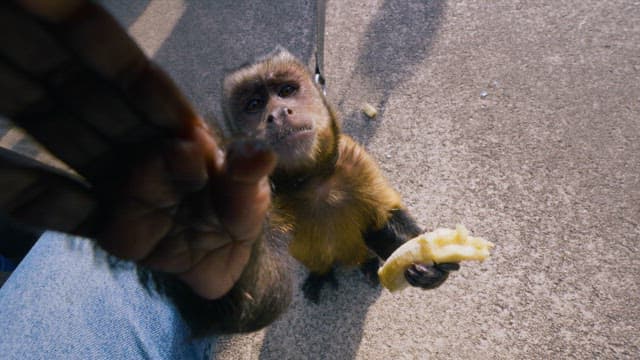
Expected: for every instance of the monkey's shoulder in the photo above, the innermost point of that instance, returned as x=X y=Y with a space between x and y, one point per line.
x=358 y=171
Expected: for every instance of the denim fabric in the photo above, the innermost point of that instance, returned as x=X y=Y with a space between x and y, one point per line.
x=64 y=301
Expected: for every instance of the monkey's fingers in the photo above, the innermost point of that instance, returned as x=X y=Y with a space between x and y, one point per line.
x=43 y=197
x=243 y=194
x=425 y=276
x=158 y=203
x=76 y=81
x=210 y=256
x=448 y=266
x=178 y=185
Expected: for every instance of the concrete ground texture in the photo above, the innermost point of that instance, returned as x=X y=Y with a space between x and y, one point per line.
x=518 y=119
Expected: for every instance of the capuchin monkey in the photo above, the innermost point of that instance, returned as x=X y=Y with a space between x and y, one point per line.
x=329 y=196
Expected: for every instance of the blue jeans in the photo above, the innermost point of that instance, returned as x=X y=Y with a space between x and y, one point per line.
x=64 y=301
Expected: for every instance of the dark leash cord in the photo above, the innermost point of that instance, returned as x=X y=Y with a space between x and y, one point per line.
x=320 y=16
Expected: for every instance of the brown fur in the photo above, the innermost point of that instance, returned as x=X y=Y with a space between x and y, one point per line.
x=328 y=214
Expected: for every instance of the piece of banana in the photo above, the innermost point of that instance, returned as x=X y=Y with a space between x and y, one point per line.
x=369 y=110
x=439 y=246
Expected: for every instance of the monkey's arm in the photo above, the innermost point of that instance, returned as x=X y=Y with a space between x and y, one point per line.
x=391 y=224
x=400 y=228
x=261 y=294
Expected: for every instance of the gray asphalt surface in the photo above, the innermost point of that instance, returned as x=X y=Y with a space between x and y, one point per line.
x=519 y=119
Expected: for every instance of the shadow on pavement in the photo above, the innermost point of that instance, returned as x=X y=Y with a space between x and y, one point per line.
x=331 y=329
x=398 y=39
x=213 y=37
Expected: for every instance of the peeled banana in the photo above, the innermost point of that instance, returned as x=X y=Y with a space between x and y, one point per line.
x=439 y=246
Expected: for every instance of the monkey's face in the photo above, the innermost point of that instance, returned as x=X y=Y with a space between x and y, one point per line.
x=277 y=100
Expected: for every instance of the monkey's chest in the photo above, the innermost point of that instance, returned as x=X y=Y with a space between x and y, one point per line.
x=326 y=224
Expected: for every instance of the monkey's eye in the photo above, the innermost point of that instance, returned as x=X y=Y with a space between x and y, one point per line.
x=287 y=90
x=254 y=105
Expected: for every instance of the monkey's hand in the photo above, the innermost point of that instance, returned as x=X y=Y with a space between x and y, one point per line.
x=149 y=181
x=179 y=213
x=426 y=260
x=429 y=276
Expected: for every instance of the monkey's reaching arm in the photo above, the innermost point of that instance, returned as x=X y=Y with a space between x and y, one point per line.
x=440 y=246
x=261 y=294
x=390 y=225
x=396 y=231
x=151 y=184
x=399 y=228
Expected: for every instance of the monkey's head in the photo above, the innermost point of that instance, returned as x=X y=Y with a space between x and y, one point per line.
x=276 y=99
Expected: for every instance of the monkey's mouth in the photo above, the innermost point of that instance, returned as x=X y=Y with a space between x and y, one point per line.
x=291 y=134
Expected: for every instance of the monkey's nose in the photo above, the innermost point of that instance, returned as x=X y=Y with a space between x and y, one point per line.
x=284 y=112
x=279 y=115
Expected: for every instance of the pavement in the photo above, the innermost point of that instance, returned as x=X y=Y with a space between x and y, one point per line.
x=519 y=119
